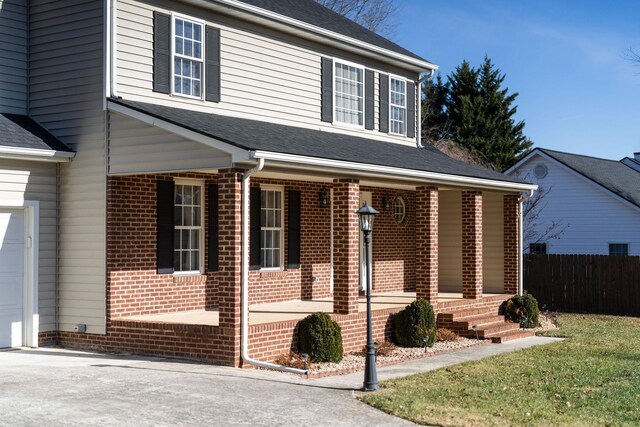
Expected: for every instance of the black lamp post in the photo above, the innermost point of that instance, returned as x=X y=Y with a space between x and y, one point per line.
x=367 y=214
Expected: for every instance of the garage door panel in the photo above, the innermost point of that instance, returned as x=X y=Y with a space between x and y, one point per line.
x=12 y=251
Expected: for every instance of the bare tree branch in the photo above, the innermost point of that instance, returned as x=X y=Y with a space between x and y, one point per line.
x=375 y=15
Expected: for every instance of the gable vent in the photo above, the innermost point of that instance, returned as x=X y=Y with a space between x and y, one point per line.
x=540 y=171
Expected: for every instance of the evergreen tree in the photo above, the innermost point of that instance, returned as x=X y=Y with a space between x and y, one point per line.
x=435 y=122
x=479 y=114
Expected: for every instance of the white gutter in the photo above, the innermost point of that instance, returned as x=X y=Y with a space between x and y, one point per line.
x=328 y=33
x=245 y=280
x=18 y=153
x=397 y=173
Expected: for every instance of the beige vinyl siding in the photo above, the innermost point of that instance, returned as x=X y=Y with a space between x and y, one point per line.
x=493 y=241
x=22 y=180
x=265 y=75
x=13 y=56
x=66 y=47
x=450 y=241
x=135 y=147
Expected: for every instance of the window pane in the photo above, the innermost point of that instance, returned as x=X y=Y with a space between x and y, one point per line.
x=177 y=215
x=197 y=32
x=184 y=261
x=179 y=46
x=188 y=29
x=179 y=27
x=197 y=50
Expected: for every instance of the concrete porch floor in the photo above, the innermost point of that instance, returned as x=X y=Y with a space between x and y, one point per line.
x=294 y=310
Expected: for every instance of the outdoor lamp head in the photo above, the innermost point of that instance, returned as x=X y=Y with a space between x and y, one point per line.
x=366 y=213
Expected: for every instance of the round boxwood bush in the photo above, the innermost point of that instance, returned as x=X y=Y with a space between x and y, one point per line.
x=321 y=338
x=522 y=309
x=415 y=323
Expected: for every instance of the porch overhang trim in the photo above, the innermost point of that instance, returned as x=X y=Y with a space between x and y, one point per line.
x=238 y=155
x=388 y=171
x=35 y=154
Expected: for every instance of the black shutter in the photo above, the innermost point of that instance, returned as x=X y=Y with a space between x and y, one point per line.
x=384 y=103
x=327 y=90
x=165 y=224
x=161 y=52
x=411 y=110
x=212 y=68
x=213 y=227
x=369 y=114
x=255 y=244
x=293 y=224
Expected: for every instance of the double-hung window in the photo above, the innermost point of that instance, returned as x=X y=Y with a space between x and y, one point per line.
x=188 y=255
x=348 y=94
x=619 y=249
x=397 y=106
x=271 y=227
x=188 y=57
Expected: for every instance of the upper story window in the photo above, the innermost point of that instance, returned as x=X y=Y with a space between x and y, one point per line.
x=397 y=106
x=188 y=255
x=348 y=94
x=621 y=249
x=188 y=59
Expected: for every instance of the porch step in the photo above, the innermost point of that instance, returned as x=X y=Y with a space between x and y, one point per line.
x=497 y=329
x=511 y=335
x=475 y=312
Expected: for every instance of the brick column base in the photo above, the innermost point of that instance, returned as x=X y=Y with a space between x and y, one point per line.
x=511 y=249
x=472 y=244
x=346 y=246
x=427 y=243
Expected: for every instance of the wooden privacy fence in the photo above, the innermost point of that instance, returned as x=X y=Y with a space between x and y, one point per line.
x=598 y=284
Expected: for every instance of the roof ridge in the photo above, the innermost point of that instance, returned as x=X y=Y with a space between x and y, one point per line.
x=548 y=151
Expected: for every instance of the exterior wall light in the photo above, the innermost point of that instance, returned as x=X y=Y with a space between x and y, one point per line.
x=324 y=199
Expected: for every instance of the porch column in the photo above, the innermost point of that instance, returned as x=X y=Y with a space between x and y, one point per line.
x=346 y=246
x=427 y=243
x=472 y=244
x=230 y=259
x=511 y=242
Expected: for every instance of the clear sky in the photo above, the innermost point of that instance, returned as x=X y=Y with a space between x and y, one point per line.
x=564 y=57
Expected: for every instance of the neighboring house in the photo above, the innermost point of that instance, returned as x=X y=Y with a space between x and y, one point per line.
x=595 y=201
x=225 y=145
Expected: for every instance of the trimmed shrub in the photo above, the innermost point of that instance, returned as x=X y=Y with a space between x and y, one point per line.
x=321 y=338
x=522 y=309
x=415 y=323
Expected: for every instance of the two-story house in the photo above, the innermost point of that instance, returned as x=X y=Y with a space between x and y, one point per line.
x=195 y=190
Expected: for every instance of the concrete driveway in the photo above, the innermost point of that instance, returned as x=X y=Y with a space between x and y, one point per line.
x=61 y=387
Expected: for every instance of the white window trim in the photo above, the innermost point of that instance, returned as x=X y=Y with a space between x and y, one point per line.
x=173 y=52
x=406 y=112
x=279 y=188
x=400 y=200
x=200 y=183
x=333 y=93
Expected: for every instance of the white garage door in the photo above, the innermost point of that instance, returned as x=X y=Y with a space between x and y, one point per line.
x=12 y=252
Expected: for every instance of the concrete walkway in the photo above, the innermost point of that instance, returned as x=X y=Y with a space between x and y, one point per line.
x=61 y=387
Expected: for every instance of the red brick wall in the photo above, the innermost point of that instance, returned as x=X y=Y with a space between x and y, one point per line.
x=134 y=288
x=393 y=243
x=511 y=250
x=472 y=244
x=426 y=243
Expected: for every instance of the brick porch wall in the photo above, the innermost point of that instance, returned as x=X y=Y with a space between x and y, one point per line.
x=134 y=286
x=511 y=243
x=426 y=243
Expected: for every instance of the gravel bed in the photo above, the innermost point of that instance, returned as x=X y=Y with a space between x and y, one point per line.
x=353 y=362
x=546 y=323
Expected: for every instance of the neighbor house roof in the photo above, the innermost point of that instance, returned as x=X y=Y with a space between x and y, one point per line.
x=610 y=174
x=269 y=137
x=311 y=12
x=23 y=138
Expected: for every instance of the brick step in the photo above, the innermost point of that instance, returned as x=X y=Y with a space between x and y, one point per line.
x=497 y=330
x=511 y=335
x=479 y=318
x=483 y=323
x=468 y=312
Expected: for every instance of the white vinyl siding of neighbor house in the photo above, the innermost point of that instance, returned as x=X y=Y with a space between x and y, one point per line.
x=450 y=241
x=135 y=147
x=594 y=216
x=23 y=180
x=66 y=97
x=493 y=241
x=265 y=75
x=13 y=56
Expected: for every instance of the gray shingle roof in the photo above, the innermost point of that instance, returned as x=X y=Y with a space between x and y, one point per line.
x=610 y=174
x=258 y=135
x=22 y=132
x=310 y=12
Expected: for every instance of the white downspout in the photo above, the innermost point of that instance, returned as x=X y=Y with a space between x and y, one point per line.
x=245 y=280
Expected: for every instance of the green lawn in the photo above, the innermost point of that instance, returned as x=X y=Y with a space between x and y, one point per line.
x=591 y=378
